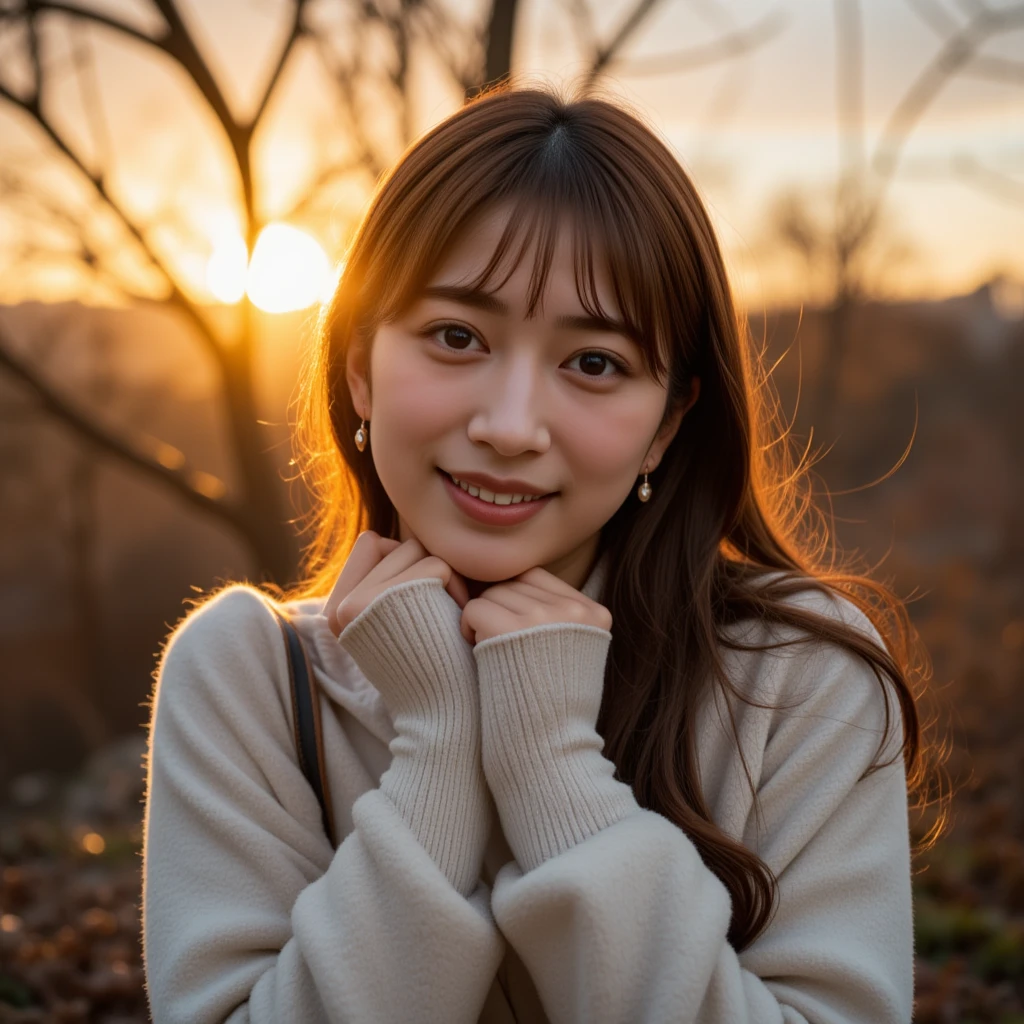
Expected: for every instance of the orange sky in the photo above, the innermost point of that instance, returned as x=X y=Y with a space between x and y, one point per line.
x=745 y=129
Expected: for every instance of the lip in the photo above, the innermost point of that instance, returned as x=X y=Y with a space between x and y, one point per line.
x=485 y=512
x=501 y=485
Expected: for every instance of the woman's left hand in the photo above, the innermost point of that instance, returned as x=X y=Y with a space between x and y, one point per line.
x=533 y=598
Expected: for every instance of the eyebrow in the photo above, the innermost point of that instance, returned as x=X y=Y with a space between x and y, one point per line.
x=490 y=303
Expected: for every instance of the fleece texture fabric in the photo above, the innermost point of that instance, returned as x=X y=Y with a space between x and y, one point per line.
x=513 y=880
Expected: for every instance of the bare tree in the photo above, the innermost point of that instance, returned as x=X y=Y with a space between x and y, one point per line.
x=854 y=237
x=367 y=51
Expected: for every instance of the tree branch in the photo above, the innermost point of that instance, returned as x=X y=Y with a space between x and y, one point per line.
x=937 y=19
x=324 y=177
x=162 y=461
x=996 y=69
x=85 y=68
x=98 y=18
x=343 y=80
x=850 y=87
x=957 y=51
x=294 y=34
x=988 y=180
x=632 y=22
x=180 y=45
x=726 y=47
x=177 y=297
x=583 y=23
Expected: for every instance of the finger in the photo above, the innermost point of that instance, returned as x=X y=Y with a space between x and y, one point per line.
x=366 y=552
x=458 y=589
x=530 y=590
x=548 y=581
x=431 y=567
x=468 y=633
x=514 y=599
x=482 y=618
x=407 y=554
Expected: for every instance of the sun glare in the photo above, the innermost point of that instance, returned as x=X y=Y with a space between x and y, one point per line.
x=226 y=270
x=288 y=270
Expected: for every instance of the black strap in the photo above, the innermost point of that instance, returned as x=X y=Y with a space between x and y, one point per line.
x=306 y=716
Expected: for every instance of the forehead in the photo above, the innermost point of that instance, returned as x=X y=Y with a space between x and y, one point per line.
x=575 y=261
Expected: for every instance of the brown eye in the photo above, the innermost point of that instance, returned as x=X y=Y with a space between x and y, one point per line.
x=456 y=337
x=593 y=363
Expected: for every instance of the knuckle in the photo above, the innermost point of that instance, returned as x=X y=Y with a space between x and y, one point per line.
x=436 y=564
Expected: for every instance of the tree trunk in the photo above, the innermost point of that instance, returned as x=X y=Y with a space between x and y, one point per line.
x=264 y=520
x=500 y=36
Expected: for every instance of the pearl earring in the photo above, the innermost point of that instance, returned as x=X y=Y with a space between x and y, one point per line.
x=361 y=435
x=644 y=491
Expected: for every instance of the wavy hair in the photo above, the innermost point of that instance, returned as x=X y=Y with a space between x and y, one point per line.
x=731 y=531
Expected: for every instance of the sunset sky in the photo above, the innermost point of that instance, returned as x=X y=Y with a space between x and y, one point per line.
x=746 y=129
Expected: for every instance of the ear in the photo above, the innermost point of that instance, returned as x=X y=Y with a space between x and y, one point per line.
x=356 y=375
x=669 y=428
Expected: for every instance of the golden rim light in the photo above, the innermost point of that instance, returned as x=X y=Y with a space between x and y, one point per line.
x=289 y=270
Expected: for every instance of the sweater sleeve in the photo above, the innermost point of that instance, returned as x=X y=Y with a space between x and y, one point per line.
x=407 y=642
x=248 y=914
x=628 y=923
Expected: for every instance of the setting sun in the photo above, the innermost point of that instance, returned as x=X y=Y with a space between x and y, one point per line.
x=289 y=270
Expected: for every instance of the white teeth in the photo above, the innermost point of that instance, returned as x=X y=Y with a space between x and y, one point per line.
x=495 y=499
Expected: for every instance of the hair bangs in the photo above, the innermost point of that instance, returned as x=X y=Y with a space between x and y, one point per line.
x=550 y=182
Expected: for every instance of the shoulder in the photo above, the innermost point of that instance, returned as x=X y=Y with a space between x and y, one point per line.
x=222 y=654
x=236 y=609
x=810 y=679
x=236 y=623
x=792 y=642
x=807 y=594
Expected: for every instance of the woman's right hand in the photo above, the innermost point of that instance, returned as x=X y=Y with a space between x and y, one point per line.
x=377 y=563
x=396 y=611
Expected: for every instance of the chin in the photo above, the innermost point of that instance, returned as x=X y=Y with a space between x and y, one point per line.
x=487 y=570
x=483 y=574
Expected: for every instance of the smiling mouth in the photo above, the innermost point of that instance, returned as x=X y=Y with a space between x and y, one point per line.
x=469 y=489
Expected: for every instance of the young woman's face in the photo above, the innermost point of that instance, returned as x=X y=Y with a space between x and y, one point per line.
x=558 y=405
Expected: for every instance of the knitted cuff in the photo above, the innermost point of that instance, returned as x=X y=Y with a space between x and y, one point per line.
x=407 y=643
x=540 y=696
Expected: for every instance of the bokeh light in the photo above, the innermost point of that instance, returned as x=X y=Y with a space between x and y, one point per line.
x=288 y=270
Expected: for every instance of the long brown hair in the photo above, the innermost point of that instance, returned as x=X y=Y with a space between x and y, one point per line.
x=729 y=504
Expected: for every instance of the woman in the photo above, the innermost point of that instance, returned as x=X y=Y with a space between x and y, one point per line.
x=605 y=740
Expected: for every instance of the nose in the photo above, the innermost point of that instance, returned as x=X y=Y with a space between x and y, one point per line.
x=510 y=414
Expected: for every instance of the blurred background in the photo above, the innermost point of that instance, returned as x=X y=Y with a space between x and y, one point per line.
x=178 y=181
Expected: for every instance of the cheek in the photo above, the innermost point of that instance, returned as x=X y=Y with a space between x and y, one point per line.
x=607 y=447
x=411 y=402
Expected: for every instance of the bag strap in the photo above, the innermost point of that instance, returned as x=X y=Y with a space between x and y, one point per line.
x=306 y=718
